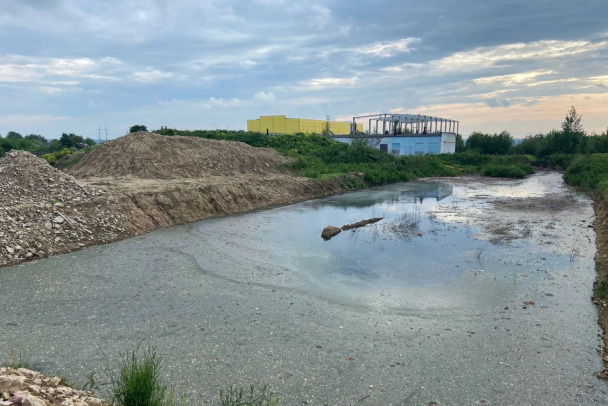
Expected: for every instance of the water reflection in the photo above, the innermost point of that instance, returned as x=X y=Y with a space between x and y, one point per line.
x=414 y=192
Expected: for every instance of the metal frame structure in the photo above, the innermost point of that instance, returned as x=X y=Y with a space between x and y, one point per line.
x=408 y=124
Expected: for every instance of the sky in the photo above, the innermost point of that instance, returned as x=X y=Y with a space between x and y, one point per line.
x=76 y=66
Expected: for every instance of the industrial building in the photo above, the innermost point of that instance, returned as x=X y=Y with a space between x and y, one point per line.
x=406 y=134
x=284 y=125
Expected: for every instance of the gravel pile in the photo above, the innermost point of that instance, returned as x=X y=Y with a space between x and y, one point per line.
x=41 y=210
x=29 y=388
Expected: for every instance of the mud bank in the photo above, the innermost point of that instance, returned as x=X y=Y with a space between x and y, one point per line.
x=600 y=206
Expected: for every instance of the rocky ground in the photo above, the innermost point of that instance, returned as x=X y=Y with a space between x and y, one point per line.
x=29 y=388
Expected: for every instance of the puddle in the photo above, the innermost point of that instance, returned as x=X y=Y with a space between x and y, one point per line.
x=467 y=290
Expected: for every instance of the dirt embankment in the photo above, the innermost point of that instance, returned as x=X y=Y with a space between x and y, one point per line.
x=600 y=206
x=135 y=184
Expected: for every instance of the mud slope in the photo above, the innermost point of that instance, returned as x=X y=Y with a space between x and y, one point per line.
x=147 y=182
x=601 y=266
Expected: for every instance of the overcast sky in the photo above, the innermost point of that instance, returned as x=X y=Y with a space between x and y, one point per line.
x=516 y=65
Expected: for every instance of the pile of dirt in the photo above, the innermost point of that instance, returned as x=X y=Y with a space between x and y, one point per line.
x=152 y=156
x=144 y=182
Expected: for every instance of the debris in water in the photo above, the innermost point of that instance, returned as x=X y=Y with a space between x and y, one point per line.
x=329 y=232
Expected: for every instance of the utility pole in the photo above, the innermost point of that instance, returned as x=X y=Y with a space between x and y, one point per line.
x=105 y=129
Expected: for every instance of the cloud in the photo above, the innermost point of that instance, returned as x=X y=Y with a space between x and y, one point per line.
x=28 y=121
x=151 y=75
x=388 y=49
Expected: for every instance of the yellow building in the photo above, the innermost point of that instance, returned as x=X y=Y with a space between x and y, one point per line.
x=284 y=125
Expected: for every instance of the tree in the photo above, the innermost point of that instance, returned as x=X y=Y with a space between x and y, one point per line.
x=138 y=127
x=70 y=140
x=573 y=122
x=35 y=137
x=13 y=135
x=459 y=143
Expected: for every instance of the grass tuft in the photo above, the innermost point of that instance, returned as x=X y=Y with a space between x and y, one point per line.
x=18 y=359
x=238 y=397
x=138 y=382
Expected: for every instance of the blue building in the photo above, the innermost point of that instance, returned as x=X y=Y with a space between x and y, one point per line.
x=406 y=134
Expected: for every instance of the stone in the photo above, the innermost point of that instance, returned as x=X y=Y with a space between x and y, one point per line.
x=33 y=401
x=11 y=384
x=55 y=380
x=329 y=232
x=58 y=219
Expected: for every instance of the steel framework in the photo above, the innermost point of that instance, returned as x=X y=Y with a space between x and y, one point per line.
x=407 y=124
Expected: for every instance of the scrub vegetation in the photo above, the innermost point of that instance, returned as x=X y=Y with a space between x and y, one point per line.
x=319 y=157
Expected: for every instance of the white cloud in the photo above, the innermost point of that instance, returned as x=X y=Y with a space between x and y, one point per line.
x=264 y=97
x=151 y=75
x=388 y=49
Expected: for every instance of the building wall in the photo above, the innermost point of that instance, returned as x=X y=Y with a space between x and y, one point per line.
x=444 y=143
x=284 y=125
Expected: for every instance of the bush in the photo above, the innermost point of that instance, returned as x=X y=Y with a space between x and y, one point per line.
x=589 y=173
x=503 y=171
x=600 y=291
x=139 y=381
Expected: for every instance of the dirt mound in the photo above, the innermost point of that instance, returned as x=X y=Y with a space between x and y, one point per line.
x=27 y=179
x=153 y=156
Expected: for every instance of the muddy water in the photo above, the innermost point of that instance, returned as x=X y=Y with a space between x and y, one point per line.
x=425 y=306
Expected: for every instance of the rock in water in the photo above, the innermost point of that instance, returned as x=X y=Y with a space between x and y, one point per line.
x=329 y=232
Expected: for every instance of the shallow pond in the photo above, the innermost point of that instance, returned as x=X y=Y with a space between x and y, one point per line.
x=416 y=308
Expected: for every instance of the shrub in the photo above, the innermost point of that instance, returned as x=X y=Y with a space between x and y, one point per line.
x=138 y=383
x=588 y=172
x=503 y=171
x=600 y=291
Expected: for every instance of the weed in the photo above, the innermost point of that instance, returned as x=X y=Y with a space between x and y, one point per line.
x=600 y=291
x=238 y=397
x=18 y=359
x=90 y=385
x=138 y=382
x=65 y=381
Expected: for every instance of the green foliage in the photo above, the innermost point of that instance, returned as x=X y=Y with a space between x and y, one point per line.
x=573 y=122
x=50 y=158
x=600 y=290
x=496 y=144
x=18 y=359
x=138 y=127
x=12 y=135
x=138 y=382
x=35 y=137
x=71 y=140
x=460 y=147
x=238 y=397
x=503 y=171
x=589 y=173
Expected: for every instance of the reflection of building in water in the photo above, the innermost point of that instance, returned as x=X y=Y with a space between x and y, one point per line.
x=407 y=192
x=439 y=192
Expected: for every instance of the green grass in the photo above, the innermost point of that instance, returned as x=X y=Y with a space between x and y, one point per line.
x=240 y=397
x=18 y=359
x=600 y=291
x=138 y=381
